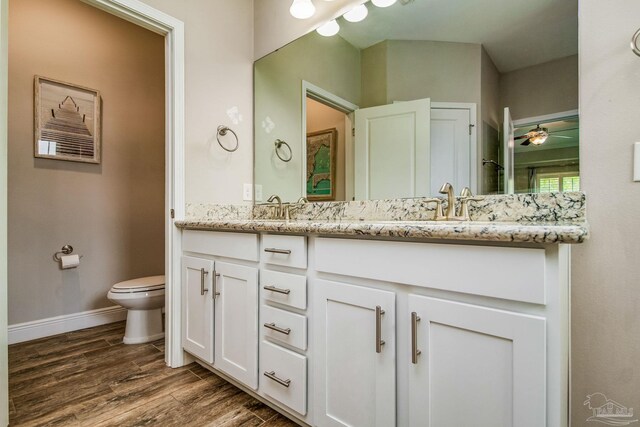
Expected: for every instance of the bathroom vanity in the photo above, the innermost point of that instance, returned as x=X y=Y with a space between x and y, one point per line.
x=379 y=322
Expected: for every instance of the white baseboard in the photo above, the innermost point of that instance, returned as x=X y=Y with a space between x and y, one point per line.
x=69 y=322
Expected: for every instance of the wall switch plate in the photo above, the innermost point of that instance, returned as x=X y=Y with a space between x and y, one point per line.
x=247 y=192
x=636 y=162
x=258 y=193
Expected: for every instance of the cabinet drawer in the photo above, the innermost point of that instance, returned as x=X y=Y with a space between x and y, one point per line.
x=283 y=376
x=281 y=325
x=516 y=274
x=290 y=251
x=230 y=245
x=283 y=288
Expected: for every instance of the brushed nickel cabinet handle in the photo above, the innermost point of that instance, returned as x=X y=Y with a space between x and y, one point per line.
x=277 y=290
x=215 y=285
x=272 y=375
x=379 y=341
x=278 y=251
x=273 y=327
x=414 y=338
x=203 y=273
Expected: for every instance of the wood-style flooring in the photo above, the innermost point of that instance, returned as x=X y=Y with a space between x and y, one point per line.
x=89 y=378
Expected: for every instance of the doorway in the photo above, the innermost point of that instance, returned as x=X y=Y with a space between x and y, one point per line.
x=550 y=161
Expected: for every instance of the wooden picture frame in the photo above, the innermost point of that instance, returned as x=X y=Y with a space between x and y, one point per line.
x=321 y=165
x=67 y=121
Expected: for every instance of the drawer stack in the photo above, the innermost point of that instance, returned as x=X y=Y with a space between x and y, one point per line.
x=283 y=320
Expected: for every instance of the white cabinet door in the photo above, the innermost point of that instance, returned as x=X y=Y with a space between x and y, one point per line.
x=236 y=322
x=477 y=366
x=197 y=313
x=392 y=152
x=355 y=375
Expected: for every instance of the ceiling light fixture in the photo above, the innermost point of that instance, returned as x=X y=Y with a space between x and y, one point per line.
x=356 y=14
x=383 y=3
x=329 y=29
x=302 y=9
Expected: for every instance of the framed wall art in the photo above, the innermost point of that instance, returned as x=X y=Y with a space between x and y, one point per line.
x=67 y=121
x=321 y=165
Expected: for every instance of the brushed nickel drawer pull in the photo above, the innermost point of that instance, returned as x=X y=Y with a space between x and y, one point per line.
x=273 y=327
x=414 y=338
x=203 y=273
x=379 y=341
x=215 y=285
x=272 y=376
x=278 y=251
x=277 y=290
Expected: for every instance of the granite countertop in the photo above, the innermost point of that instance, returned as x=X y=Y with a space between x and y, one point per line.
x=552 y=232
x=528 y=218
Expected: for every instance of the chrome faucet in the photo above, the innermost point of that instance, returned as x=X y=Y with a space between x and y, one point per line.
x=278 y=208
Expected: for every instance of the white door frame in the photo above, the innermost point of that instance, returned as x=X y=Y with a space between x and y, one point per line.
x=334 y=101
x=4 y=85
x=474 y=148
x=173 y=31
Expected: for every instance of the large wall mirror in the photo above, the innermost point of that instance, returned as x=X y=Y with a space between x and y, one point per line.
x=477 y=93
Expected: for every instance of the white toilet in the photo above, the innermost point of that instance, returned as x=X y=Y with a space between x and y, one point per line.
x=144 y=299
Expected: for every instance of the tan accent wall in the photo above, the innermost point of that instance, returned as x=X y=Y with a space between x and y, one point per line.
x=111 y=213
x=605 y=299
x=320 y=117
x=543 y=89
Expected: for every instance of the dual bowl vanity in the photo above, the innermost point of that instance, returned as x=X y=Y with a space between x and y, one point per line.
x=369 y=319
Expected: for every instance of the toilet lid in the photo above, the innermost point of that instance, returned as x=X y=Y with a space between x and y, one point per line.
x=142 y=284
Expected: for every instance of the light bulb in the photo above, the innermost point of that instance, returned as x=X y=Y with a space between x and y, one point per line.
x=357 y=14
x=329 y=29
x=383 y=3
x=302 y=9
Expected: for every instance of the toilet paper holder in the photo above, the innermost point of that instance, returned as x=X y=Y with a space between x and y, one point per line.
x=66 y=250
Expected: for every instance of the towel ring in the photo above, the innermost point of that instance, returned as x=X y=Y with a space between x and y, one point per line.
x=222 y=131
x=634 y=43
x=279 y=143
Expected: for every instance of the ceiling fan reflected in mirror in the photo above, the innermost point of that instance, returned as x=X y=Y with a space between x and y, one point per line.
x=539 y=136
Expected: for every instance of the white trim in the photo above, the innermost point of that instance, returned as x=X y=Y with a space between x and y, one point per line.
x=474 y=158
x=173 y=30
x=69 y=322
x=545 y=118
x=334 y=101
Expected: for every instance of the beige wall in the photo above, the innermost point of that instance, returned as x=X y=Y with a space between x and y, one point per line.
x=374 y=75
x=218 y=76
x=543 y=89
x=444 y=72
x=606 y=272
x=275 y=27
x=111 y=213
x=320 y=117
x=278 y=86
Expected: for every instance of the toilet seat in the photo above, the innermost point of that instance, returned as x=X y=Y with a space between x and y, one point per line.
x=140 y=285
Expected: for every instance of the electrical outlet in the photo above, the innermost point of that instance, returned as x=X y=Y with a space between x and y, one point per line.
x=247 y=192
x=258 y=193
